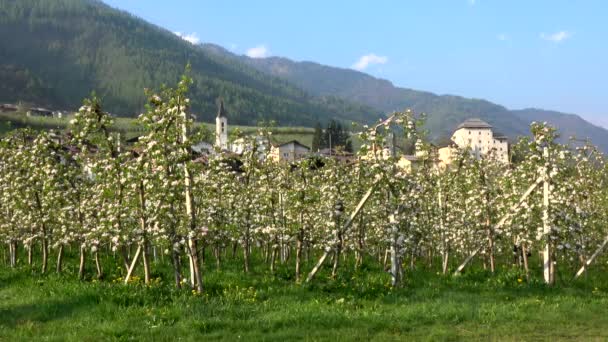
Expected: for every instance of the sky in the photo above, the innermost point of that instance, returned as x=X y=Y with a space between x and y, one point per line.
x=550 y=54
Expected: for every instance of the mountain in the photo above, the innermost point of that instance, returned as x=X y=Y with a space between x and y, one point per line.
x=570 y=125
x=444 y=112
x=54 y=53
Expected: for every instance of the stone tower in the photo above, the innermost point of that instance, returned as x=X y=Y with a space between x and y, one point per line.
x=221 y=128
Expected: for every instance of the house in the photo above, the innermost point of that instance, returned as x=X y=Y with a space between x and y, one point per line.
x=478 y=136
x=337 y=154
x=243 y=145
x=40 y=112
x=7 y=108
x=203 y=148
x=290 y=151
x=408 y=162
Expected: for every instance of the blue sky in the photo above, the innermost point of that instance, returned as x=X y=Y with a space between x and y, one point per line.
x=550 y=54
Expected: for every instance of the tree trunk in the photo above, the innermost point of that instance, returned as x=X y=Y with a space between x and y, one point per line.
x=273 y=258
x=81 y=266
x=125 y=257
x=59 y=259
x=385 y=259
x=299 y=245
x=524 y=253
x=196 y=273
x=14 y=250
x=98 y=266
x=337 y=254
x=45 y=253
x=146 y=262
x=30 y=255
x=395 y=260
x=246 y=247
x=218 y=255
x=177 y=267
x=445 y=259
x=490 y=245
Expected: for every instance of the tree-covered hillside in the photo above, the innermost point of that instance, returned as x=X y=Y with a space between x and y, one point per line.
x=54 y=53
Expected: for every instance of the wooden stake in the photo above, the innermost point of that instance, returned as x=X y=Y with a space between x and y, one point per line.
x=512 y=210
x=133 y=263
x=595 y=255
x=547 y=260
x=345 y=228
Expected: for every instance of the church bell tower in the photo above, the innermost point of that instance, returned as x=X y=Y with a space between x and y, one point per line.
x=221 y=128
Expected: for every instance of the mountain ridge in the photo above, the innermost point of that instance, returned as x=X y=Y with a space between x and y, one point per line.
x=56 y=53
x=444 y=111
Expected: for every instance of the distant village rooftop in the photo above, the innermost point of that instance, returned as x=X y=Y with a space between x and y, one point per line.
x=295 y=142
x=474 y=123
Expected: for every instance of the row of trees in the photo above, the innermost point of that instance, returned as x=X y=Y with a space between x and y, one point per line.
x=334 y=136
x=86 y=190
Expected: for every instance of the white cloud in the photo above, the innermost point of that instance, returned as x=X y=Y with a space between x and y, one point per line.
x=369 y=59
x=192 y=38
x=557 y=36
x=259 y=51
x=233 y=47
x=503 y=37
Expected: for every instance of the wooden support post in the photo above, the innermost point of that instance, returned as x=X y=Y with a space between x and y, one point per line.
x=595 y=255
x=344 y=229
x=133 y=263
x=548 y=270
x=512 y=210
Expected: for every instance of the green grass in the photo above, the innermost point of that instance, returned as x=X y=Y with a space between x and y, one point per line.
x=359 y=305
x=128 y=126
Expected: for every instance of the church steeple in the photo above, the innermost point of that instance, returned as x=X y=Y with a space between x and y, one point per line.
x=221 y=112
x=221 y=127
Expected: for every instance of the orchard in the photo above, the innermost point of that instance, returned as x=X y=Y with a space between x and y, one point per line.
x=87 y=193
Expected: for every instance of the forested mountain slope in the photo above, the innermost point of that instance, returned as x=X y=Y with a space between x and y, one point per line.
x=54 y=53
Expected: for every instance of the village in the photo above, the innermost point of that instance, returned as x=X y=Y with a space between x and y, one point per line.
x=473 y=134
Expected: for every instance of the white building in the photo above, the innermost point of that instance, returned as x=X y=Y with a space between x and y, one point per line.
x=289 y=151
x=478 y=136
x=246 y=144
x=221 y=128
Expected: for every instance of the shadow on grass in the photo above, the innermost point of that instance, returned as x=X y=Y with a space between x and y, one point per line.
x=49 y=310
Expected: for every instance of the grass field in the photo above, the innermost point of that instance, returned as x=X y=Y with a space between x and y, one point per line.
x=359 y=305
x=128 y=126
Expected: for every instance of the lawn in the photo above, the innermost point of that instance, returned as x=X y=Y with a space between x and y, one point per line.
x=129 y=128
x=359 y=305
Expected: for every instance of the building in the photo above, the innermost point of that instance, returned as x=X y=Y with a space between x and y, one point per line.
x=40 y=112
x=478 y=136
x=337 y=154
x=8 y=108
x=246 y=144
x=221 y=128
x=290 y=151
x=203 y=148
